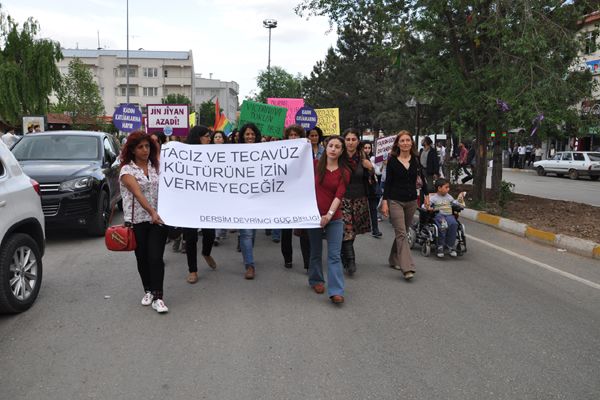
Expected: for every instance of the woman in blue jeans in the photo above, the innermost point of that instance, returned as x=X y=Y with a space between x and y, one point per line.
x=249 y=133
x=332 y=173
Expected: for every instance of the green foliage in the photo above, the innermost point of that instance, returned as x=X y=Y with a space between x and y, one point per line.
x=280 y=84
x=28 y=71
x=206 y=113
x=78 y=95
x=505 y=195
x=176 y=99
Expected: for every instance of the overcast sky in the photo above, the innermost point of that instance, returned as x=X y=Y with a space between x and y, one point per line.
x=226 y=37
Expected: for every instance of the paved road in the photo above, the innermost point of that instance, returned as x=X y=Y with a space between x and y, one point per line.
x=552 y=187
x=487 y=326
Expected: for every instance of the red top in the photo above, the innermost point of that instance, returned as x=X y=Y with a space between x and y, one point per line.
x=332 y=187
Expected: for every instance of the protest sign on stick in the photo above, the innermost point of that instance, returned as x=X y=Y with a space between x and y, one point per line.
x=383 y=146
x=269 y=119
x=264 y=185
x=292 y=106
x=175 y=116
x=329 y=120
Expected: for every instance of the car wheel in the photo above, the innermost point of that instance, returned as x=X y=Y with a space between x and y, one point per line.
x=541 y=171
x=20 y=273
x=99 y=223
x=594 y=177
x=573 y=174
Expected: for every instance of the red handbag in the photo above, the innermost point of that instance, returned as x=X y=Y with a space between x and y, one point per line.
x=120 y=237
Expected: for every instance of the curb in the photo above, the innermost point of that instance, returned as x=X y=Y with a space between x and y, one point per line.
x=583 y=247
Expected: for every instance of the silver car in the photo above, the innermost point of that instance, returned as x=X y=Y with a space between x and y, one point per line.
x=571 y=163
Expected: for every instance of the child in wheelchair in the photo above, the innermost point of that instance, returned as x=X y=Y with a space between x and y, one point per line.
x=444 y=206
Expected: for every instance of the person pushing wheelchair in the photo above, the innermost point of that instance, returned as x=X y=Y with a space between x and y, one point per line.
x=445 y=221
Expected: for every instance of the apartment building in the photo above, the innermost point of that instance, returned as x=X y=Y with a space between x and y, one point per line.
x=152 y=74
x=212 y=89
x=590 y=58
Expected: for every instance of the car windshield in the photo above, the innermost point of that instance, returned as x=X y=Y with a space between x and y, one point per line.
x=594 y=156
x=56 y=147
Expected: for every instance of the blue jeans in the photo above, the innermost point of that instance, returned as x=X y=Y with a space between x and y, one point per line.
x=276 y=234
x=334 y=232
x=446 y=236
x=246 y=245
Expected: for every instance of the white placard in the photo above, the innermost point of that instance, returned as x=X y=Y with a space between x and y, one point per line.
x=383 y=146
x=265 y=185
x=168 y=115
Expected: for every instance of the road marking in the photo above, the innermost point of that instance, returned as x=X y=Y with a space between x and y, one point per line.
x=538 y=263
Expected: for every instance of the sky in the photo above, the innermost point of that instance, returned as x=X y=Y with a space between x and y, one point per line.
x=226 y=37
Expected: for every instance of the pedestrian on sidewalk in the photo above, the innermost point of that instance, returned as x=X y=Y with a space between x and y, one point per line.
x=355 y=205
x=198 y=135
x=249 y=133
x=538 y=153
x=522 y=152
x=332 y=174
x=400 y=199
x=139 y=177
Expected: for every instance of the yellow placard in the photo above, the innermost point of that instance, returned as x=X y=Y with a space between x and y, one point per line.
x=192 y=120
x=328 y=119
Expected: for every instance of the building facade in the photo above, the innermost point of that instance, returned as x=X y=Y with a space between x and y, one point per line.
x=153 y=75
x=213 y=89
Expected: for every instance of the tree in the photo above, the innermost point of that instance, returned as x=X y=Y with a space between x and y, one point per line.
x=78 y=94
x=467 y=55
x=176 y=98
x=28 y=71
x=282 y=84
x=206 y=113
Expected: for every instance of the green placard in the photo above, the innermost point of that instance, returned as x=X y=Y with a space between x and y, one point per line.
x=269 y=119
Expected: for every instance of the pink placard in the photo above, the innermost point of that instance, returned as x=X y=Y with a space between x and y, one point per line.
x=292 y=105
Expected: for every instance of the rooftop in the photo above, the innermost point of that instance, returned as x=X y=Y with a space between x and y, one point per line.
x=87 y=53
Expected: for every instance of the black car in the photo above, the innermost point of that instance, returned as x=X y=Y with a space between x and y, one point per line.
x=78 y=173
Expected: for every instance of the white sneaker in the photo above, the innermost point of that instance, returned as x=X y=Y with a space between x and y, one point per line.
x=160 y=306
x=147 y=299
x=440 y=252
x=453 y=253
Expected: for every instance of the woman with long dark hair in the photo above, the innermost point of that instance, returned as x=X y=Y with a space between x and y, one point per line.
x=373 y=193
x=355 y=205
x=219 y=137
x=198 y=135
x=400 y=199
x=332 y=174
x=139 y=187
x=429 y=162
x=315 y=136
x=249 y=133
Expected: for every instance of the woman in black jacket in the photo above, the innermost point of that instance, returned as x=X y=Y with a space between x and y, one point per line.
x=400 y=199
x=429 y=162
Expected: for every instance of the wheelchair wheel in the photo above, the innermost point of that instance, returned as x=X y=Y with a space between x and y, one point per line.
x=426 y=249
x=411 y=236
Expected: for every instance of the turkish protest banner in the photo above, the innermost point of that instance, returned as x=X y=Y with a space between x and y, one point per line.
x=292 y=106
x=263 y=185
x=127 y=118
x=175 y=116
x=269 y=119
x=383 y=146
x=329 y=120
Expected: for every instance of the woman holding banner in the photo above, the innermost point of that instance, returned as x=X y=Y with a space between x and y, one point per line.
x=294 y=132
x=355 y=205
x=139 y=187
x=249 y=133
x=332 y=174
x=400 y=199
x=219 y=137
x=198 y=135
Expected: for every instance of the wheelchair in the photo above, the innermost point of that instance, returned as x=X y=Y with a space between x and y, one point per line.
x=424 y=232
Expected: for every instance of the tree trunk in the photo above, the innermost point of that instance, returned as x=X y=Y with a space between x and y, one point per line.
x=480 y=170
x=497 y=167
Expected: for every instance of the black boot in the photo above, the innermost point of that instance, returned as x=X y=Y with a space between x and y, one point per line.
x=348 y=257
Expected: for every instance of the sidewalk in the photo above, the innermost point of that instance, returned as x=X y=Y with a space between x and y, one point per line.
x=572 y=244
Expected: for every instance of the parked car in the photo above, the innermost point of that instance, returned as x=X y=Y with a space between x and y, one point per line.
x=22 y=237
x=78 y=172
x=571 y=163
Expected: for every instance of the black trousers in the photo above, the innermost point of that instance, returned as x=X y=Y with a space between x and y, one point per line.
x=286 y=246
x=190 y=235
x=373 y=203
x=151 y=239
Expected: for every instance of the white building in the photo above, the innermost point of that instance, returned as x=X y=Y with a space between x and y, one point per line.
x=213 y=89
x=590 y=58
x=152 y=74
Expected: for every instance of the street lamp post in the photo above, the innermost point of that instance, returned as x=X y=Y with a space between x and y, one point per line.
x=127 y=72
x=269 y=24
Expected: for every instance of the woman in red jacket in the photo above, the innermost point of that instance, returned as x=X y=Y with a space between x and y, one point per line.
x=332 y=173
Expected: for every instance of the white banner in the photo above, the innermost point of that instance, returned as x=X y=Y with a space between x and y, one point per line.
x=383 y=147
x=265 y=185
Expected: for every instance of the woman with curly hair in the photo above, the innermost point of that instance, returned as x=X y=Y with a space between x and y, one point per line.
x=139 y=187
